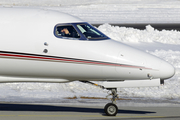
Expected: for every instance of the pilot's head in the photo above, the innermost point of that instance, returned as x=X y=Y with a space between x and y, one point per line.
x=65 y=30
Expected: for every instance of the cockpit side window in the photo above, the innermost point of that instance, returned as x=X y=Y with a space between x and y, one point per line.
x=66 y=31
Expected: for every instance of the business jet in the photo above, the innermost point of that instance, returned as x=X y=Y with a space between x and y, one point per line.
x=39 y=45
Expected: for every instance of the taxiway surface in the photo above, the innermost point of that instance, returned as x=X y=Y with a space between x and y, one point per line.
x=52 y=111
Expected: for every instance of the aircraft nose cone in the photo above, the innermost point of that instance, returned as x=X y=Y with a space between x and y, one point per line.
x=166 y=70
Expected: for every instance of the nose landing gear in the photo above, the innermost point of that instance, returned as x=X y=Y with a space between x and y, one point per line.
x=111 y=109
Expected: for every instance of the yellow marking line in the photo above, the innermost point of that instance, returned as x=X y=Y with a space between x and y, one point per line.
x=7 y=115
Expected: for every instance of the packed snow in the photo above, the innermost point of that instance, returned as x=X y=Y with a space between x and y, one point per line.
x=110 y=11
x=164 y=44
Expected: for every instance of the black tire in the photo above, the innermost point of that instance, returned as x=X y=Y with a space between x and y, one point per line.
x=110 y=109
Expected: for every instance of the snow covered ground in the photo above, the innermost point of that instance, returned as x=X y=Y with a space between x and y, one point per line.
x=110 y=11
x=164 y=44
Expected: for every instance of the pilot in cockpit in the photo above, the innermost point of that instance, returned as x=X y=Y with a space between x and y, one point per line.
x=65 y=32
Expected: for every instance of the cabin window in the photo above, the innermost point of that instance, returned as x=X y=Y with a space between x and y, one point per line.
x=66 y=31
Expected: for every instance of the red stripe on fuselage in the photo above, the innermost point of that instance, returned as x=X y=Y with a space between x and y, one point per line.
x=19 y=55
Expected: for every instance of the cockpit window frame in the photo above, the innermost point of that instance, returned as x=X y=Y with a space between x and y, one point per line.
x=82 y=37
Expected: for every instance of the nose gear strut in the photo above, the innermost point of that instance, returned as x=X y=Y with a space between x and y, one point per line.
x=110 y=108
x=114 y=95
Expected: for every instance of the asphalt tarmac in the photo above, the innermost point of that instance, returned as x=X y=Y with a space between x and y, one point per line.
x=52 y=111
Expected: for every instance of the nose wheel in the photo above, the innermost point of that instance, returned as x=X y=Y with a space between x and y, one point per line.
x=110 y=109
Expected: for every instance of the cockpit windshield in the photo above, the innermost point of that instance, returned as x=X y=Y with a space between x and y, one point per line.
x=90 y=32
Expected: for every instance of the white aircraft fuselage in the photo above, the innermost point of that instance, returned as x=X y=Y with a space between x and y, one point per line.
x=33 y=50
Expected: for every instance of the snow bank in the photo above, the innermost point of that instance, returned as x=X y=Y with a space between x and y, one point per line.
x=47 y=92
x=124 y=34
